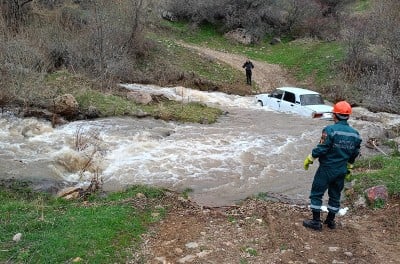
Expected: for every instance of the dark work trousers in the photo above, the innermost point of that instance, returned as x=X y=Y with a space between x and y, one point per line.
x=326 y=179
x=248 y=76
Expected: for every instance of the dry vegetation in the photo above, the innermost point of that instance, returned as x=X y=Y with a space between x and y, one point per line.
x=106 y=42
x=370 y=71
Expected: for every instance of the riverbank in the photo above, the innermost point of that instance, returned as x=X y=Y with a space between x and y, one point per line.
x=147 y=225
x=258 y=231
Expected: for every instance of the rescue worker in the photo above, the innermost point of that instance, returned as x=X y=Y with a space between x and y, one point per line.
x=337 y=150
x=248 y=66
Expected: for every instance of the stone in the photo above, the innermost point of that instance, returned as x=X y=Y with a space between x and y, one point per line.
x=204 y=253
x=187 y=259
x=361 y=202
x=65 y=105
x=155 y=215
x=167 y=15
x=17 y=237
x=333 y=249
x=376 y=193
x=92 y=112
x=161 y=260
x=139 y=97
x=178 y=251
x=140 y=196
x=240 y=35
x=192 y=245
x=275 y=41
x=76 y=260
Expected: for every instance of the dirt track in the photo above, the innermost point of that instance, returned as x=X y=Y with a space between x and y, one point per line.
x=267 y=76
x=271 y=232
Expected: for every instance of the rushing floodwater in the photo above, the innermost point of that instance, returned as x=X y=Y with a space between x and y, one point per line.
x=249 y=150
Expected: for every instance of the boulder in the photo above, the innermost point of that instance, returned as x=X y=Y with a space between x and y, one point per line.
x=167 y=15
x=376 y=193
x=92 y=112
x=140 y=97
x=275 y=41
x=65 y=105
x=240 y=35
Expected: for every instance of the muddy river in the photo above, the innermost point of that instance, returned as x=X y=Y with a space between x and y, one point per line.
x=249 y=150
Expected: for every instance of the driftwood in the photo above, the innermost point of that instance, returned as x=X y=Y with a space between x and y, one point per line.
x=373 y=143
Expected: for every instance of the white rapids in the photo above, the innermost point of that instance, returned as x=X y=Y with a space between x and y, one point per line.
x=249 y=150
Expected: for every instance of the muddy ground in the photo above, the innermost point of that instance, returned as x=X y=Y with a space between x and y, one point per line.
x=259 y=231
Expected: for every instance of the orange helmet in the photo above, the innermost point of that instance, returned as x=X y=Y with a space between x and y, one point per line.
x=342 y=108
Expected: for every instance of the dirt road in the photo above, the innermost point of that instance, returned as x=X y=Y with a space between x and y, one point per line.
x=271 y=232
x=267 y=76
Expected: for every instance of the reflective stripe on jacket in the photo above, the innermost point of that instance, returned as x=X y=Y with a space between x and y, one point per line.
x=339 y=145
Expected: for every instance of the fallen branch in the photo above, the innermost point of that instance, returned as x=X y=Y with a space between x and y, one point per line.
x=377 y=148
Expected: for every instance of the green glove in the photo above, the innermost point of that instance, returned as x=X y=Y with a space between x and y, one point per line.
x=348 y=177
x=309 y=160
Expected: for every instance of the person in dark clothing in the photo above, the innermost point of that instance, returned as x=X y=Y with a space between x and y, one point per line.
x=337 y=150
x=248 y=66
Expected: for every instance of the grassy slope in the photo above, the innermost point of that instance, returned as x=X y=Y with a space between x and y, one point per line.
x=58 y=231
x=306 y=59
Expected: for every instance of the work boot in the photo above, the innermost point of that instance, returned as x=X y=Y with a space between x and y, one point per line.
x=330 y=220
x=314 y=223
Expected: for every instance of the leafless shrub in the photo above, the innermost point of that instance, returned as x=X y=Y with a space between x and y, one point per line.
x=50 y=4
x=88 y=142
x=298 y=18
x=21 y=67
x=85 y=139
x=373 y=57
x=331 y=8
x=96 y=184
x=73 y=18
x=15 y=13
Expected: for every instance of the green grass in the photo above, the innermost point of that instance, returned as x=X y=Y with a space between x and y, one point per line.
x=56 y=231
x=379 y=170
x=362 y=5
x=111 y=105
x=205 y=34
x=309 y=59
x=107 y=104
x=185 y=112
x=192 y=62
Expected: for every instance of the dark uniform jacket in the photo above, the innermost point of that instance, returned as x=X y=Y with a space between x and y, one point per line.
x=339 y=145
x=248 y=65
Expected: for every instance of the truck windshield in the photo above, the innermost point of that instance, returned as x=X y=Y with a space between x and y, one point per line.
x=311 y=99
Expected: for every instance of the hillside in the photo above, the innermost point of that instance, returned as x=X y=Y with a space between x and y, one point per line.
x=266 y=76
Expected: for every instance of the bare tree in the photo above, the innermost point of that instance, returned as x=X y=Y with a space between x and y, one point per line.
x=373 y=59
x=135 y=40
x=14 y=13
